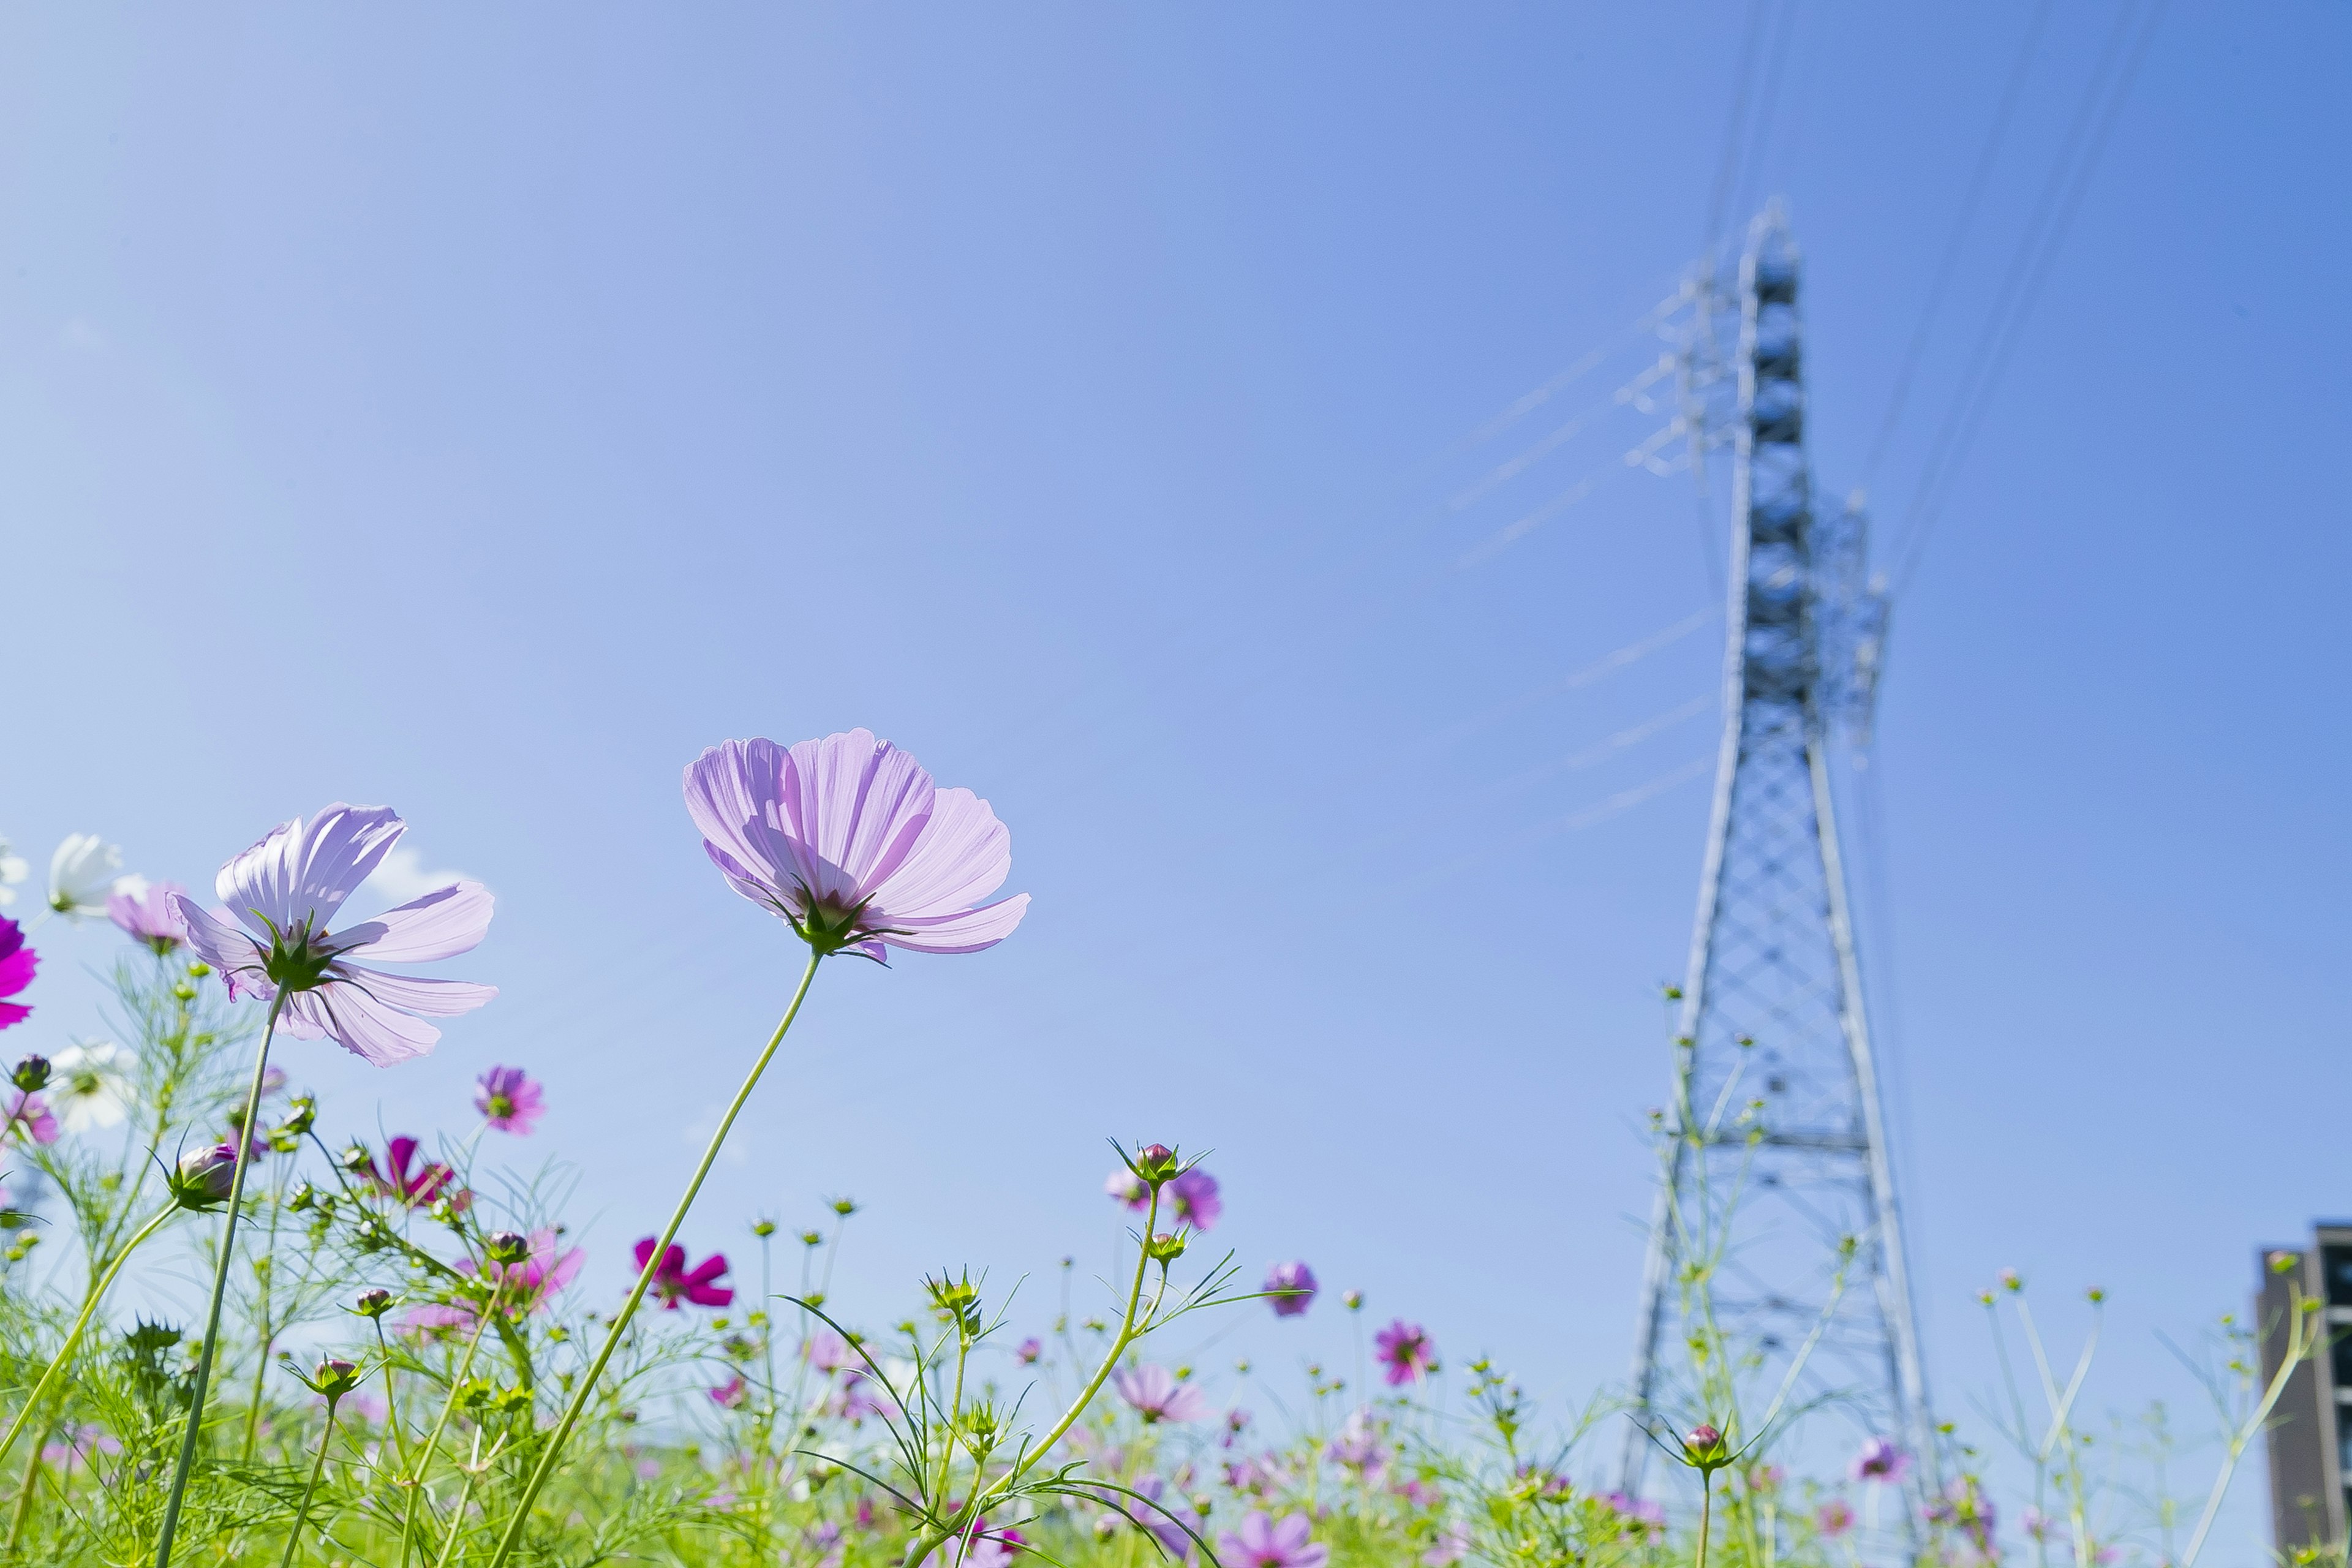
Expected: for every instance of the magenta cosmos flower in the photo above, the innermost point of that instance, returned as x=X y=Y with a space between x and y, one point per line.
x=1405 y=1350
x=145 y=913
x=1291 y=1288
x=403 y=1178
x=18 y=962
x=676 y=1284
x=1263 y=1543
x=1156 y=1394
x=848 y=841
x=524 y=1287
x=1880 y=1460
x=286 y=889
x=509 y=1100
x=1192 y=1197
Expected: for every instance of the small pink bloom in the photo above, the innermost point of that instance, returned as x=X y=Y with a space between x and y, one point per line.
x=1192 y=1197
x=511 y=1100
x=1156 y=1394
x=1028 y=1351
x=732 y=1395
x=1128 y=1188
x=18 y=962
x=1264 y=1542
x=677 y=1285
x=1290 y=1287
x=1833 y=1519
x=1880 y=1460
x=145 y=913
x=1405 y=1350
x=28 y=1117
x=825 y=1350
x=412 y=1185
x=1452 y=1546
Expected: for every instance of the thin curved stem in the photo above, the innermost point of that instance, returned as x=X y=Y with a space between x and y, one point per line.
x=571 y=1418
x=302 y=1508
x=465 y=1369
x=73 y=1339
x=220 y=1289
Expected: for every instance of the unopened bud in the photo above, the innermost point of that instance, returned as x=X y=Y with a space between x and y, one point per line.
x=1156 y=1163
x=32 y=1073
x=302 y=1198
x=2011 y=1281
x=335 y=1378
x=2095 y=1295
x=763 y=1228
x=356 y=1158
x=300 y=1116
x=845 y=1207
x=372 y=1303
x=2283 y=1262
x=1702 y=1446
x=1353 y=1301
x=812 y=1238
x=1165 y=1247
x=506 y=1246
x=205 y=1176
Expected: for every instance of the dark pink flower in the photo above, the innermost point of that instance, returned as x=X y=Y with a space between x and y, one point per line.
x=1264 y=1542
x=288 y=886
x=848 y=841
x=412 y=1184
x=1290 y=1287
x=509 y=1100
x=28 y=1117
x=1193 y=1198
x=1156 y=1394
x=678 y=1285
x=18 y=962
x=1880 y=1460
x=524 y=1287
x=145 y=913
x=1405 y=1349
x=732 y=1395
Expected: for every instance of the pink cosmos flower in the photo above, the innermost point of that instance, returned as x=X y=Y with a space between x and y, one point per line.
x=285 y=889
x=1833 y=1519
x=1193 y=1198
x=511 y=1100
x=1453 y=1544
x=83 y=1442
x=1165 y=1522
x=1880 y=1460
x=1290 y=1287
x=732 y=1395
x=1263 y=1543
x=1405 y=1350
x=824 y=1350
x=412 y=1185
x=1027 y=1351
x=18 y=962
x=524 y=1287
x=849 y=842
x=145 y=913
x=1156 y=1394
x=859 y=1397
x=1645 y=1515
x=28 y=1117
x=1358 y=1446
x=676 y=1285
x=1128 y=1188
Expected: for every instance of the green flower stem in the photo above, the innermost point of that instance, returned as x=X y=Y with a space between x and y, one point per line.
x=220 y=1289
x=571 y=1416
x=1706 y=1502
x=73 y=1339
x=302 y=1508
x=415 y=1478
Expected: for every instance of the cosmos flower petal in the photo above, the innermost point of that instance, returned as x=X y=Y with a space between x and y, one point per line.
x=963 y=856
x=304 y=872
x=13 y=1013
x=443 y=923
x=16 y=970
x=729 y=793
x=236 y=955
x=859 y=804
x=369 y=1030
x=764 y=891
x=967 y=932
x=414 y=993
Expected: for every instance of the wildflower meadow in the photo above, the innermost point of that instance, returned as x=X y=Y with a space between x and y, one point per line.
x=389 y=1357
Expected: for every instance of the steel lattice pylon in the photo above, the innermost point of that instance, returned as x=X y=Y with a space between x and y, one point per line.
x=1778 y=1096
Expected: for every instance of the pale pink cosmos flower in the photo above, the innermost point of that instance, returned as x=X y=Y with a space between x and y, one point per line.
x=511 y=1100
x=826 y=1351
x=1290 y=1287
x=1358 y=1446
x=1264 y=1542
x=144 y=912
x=848 y=841
x=1453 y=1544
x=288 y=886
x=1128 y=1188
x=1833 y=1519
x=1193 y=1199
x=1156 y=1394
x=524 y=1287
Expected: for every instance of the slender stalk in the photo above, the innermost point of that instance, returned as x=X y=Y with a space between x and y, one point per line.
x=433 y=1445
x=2301 y=1341
x=571 y=1418
x=220 y=1289
x=73 y=1339
x=302 y=1508
x=1706 y=1506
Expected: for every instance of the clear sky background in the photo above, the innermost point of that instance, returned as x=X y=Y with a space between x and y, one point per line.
x=481 y=413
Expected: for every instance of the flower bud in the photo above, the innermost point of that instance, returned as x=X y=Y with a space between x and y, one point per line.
x=1704 y=1446
x=506 y=1246
x=300 y=1115
x=1156 y=1163
x=205 y=1176
x=302 y=1198
x=334 y=1377
x=812 y=1238
x=31 y=1074
x=2283 y=1262
x=845 y=1207
x=1165 y=1249
x=1353 y=1301
x=2010 y=1281
x=763 y=1228
x=357 y=1159
x=199 y=969
x=372 y=1303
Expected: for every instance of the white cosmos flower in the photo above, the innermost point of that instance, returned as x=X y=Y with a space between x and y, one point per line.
x=83 y=873
x=89 y=1086
x=13 y=870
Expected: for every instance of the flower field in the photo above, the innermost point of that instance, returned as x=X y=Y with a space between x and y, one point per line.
x=388 y=1359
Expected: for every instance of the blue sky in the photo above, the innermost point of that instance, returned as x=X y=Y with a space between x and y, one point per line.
x=484 y=413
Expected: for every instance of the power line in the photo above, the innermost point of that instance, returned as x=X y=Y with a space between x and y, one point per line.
x=2036 y=255
x=1948 y=267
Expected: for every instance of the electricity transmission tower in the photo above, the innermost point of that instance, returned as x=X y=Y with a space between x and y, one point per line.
x=1775 y=1146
